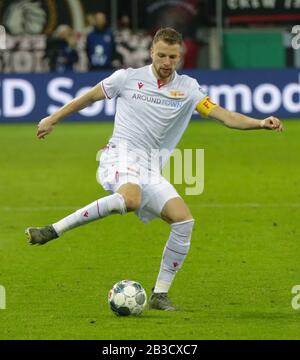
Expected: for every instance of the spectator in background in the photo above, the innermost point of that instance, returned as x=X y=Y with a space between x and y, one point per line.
x=100 y=45
x=190 y=53
x=132 y=47
x=90 y=23
x=61 y=50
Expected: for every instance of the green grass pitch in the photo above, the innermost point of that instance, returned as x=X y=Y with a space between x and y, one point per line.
x=237 y=279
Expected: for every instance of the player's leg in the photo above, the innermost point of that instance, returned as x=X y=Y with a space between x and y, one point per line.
x=176 y=210
x=127 y=198
x=132 y=195
x=178 y=215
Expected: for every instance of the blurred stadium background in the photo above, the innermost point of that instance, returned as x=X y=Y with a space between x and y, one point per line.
x=247 y=44
x=237 y=281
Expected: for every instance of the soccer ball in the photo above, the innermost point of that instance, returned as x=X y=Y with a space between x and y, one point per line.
x=127 y=297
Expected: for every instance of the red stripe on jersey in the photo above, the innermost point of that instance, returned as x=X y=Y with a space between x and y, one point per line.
x=159 y=84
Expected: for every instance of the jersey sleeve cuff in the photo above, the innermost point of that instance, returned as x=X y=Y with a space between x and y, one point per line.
x=104 y=90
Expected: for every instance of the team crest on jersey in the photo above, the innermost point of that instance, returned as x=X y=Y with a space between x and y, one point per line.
x=140 y=84
x=177 y=93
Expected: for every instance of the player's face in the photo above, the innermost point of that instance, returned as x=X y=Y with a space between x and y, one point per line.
x=165 y=59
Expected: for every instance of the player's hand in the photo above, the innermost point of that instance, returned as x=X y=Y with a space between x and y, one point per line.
x=272 y=123
x=45 y=126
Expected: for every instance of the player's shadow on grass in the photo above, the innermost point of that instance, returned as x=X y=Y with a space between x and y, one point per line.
x=151 y=315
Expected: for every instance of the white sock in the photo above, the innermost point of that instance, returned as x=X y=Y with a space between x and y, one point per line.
x=96 y=210
x=174 y=254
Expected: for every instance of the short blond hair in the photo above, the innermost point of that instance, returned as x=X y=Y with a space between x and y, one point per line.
x=168 y=35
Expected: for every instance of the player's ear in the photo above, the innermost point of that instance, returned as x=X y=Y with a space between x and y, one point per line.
x=151 y=52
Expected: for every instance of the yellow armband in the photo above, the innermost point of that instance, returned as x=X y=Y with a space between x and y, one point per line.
x=205 y=106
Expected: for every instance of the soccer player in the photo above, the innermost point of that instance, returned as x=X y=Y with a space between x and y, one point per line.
x=154 y=107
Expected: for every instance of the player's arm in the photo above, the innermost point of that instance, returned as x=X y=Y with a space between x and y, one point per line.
x=45 y=126
x=236 y=120
x=239 y=121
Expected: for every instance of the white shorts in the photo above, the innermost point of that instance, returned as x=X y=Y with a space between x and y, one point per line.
x=114 y=170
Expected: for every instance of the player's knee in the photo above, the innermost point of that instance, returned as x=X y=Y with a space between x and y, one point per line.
x=132 y=202
x=132 y=196
x=181 y=217
x=175 y=210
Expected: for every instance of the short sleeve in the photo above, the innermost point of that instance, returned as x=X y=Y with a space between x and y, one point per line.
x=113 y=85
x=197 y=93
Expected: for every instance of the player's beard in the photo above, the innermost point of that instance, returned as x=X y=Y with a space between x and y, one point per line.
x=163 y=74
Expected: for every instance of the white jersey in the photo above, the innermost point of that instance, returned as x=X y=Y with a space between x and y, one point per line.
x=151 y=115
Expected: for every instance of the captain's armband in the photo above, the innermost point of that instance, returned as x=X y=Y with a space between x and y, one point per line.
x=205 y=106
